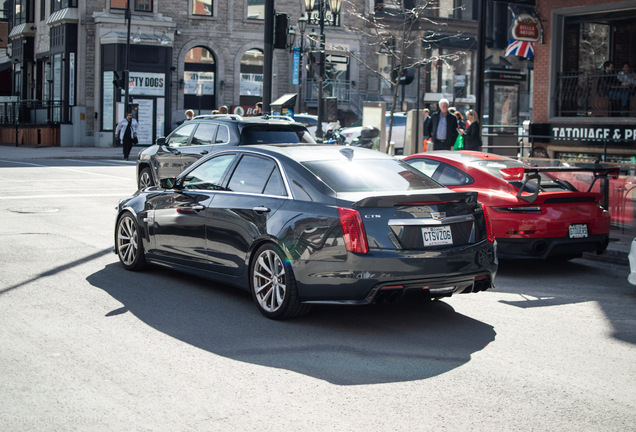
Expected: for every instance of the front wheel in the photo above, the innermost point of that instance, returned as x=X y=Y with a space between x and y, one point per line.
x=145 y=179
x=128 y=244
x=273 y=285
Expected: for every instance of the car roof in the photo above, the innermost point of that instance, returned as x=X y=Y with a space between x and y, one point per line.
x=316 y=152
x=465 y=156
x=245 y=121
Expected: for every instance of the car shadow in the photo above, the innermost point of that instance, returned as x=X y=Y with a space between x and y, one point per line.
x=554 y=283
x=339 y=344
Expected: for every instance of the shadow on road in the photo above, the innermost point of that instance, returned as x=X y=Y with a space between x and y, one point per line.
x=545 y=284
x=341 y=345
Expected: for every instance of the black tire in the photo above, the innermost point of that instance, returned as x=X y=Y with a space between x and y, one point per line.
x=128 y=244
x=145 y=179
x=273 y=285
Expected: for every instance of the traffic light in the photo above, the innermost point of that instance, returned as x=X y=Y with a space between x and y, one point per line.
x=281 y=28
x=408 y=74
x=119 y=80
x=311 y=61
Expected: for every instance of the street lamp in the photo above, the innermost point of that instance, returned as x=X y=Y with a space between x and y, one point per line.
x=302 y=25
x=334 y=5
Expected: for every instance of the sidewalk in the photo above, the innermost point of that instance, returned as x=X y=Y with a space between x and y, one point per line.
x=617 y=251
x=48 y=152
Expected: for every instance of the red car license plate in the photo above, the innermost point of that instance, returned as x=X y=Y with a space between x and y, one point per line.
x=578 y=231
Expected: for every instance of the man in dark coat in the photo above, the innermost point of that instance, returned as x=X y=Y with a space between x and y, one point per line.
x=443 y=127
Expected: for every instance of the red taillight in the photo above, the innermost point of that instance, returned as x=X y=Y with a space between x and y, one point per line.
x=489 y=232
x=353 y=230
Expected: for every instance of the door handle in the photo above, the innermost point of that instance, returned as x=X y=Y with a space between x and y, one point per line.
x=190 y=210
x=204 y=152
x=197 y=207
x=261 y=209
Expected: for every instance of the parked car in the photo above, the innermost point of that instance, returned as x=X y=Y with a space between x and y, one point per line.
x=206 y=134
x=397 y=134
x=311 y=123
x=632 y=263
x=534 y=213
x=303 y=225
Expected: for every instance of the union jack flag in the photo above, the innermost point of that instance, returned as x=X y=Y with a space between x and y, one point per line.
x=520 y=48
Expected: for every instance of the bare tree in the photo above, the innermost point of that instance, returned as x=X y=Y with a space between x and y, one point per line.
x=396 y=28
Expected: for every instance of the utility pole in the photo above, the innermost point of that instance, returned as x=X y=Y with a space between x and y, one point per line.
x=268 y=56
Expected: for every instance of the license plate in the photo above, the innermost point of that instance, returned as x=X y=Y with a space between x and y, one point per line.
x=436 y=236
x=578 y=231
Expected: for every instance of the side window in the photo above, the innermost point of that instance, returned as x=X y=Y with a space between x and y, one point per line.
x=223 y=135
x=180 y=136
x=450 y=176
x=204 y=134
x=427 y=166
x=210 y=174
x=275 y=185
x=251 y=175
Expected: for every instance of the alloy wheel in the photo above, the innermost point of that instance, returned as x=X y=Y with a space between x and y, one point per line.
x=269 y=281
x=127 y=238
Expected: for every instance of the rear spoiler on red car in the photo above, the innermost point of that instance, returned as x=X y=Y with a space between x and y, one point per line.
x=416 y=199
x=518 y=173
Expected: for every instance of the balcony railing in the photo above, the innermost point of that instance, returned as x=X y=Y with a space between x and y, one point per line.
x=31 y=112
x=330 y=88
x=594 y=95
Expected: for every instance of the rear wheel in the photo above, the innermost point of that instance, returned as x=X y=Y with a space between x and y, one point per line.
x=273 y=285
x=128 y=244
x=145 y=179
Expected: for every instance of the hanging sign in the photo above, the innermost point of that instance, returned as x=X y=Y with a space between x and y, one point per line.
x=526 y=28
x=296 y=66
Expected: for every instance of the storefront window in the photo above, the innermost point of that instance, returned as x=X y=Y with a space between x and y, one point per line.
x=584 y=88
x=139 y=5
x=256 y=9
x=202 y=7
x=199 y=80
x=251 y=77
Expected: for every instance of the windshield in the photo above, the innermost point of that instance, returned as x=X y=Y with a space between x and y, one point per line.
x=370 y=175
x=275 y=134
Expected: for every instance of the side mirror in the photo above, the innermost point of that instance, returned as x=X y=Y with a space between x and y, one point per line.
x=168 y=183
x=161 y=141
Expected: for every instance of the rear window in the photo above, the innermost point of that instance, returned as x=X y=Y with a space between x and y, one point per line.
x=370 y=175
x=274 y=134
x=493 y=166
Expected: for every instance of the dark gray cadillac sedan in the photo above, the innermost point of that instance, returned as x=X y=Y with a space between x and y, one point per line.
x=303 y=225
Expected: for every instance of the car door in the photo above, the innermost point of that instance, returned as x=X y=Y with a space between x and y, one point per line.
x=240 y=214
x=180 y=214
x=200 y=145
x=168 y=156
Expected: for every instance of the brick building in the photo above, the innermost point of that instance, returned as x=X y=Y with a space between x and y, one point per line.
x=581 y=108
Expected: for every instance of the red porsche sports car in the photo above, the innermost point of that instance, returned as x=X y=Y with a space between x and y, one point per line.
x=535 y=211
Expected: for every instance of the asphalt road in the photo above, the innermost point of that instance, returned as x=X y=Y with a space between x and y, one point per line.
x=86 y=345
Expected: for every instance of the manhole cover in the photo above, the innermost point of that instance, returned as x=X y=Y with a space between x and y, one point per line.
x=34 y=210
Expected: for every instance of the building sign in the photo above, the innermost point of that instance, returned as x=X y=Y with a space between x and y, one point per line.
x=108 y=102
x=251 y=84
x=617 y=134
x=146 y=84
x=296 y=66
x=496 y=75
x=71 y=79
x=198 y=83
x=526 y=28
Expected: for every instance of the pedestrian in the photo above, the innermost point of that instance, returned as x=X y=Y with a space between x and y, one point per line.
x=461 y=124
x=223 y=110
x=443 y=127
x=258 y=111
x=610 y=86
x=189 y=115
x=472 y=134
x=126 y=131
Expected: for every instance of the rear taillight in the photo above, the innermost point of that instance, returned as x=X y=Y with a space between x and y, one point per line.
x=489 y=232
x=353 y=230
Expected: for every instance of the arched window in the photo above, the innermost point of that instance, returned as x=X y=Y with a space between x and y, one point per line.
x=251 y=77
x=199 y=81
